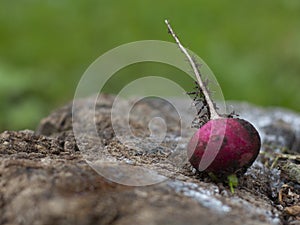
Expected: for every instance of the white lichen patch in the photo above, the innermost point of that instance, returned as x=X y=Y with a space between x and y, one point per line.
x=204 y=197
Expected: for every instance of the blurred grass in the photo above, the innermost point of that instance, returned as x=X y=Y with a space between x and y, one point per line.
x=253 y=47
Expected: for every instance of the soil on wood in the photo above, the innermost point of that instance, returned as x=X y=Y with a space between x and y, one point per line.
x=45 y=177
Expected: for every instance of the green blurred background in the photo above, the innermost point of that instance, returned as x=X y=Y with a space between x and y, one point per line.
x=253 y=47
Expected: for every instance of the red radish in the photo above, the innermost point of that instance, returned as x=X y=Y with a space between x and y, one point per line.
x=239 y=147
x=223 y=145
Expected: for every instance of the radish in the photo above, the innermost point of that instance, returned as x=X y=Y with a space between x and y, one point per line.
x=223 y=145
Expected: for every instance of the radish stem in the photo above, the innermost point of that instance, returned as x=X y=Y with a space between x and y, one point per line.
x=211 y=107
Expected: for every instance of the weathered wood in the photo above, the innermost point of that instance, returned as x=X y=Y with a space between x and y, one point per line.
x=44 y=178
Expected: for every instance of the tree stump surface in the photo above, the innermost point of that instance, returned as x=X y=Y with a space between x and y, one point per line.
x=45 y=179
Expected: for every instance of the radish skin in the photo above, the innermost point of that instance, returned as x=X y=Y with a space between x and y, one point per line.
x=238 y=141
